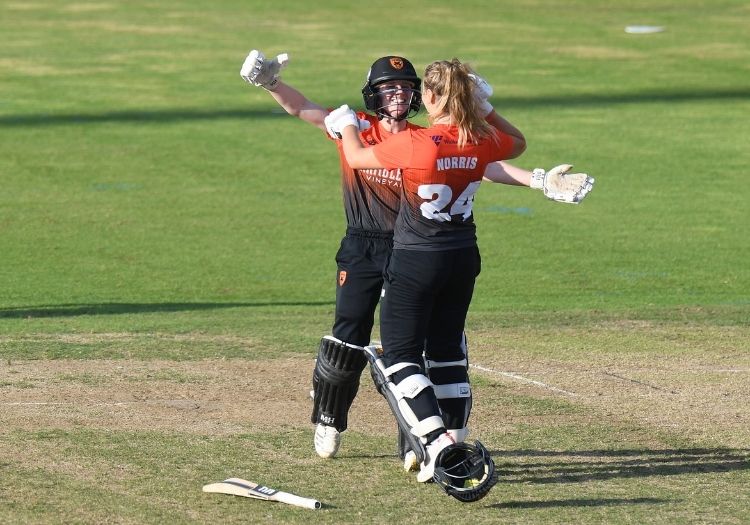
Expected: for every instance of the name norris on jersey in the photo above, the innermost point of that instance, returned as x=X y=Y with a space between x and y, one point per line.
x=447 y=163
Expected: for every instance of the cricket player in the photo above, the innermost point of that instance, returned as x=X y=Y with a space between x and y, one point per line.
x=391 y=94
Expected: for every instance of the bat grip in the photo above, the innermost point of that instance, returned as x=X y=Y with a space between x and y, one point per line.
x=298 y=501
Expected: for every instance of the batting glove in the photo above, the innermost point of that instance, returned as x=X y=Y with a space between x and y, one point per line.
x=561 y=186
x=482 y=92
x=261 y=72
x=342 y=117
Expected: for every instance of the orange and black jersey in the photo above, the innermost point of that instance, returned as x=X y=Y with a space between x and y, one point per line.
x=439 y=182
x=371 y=196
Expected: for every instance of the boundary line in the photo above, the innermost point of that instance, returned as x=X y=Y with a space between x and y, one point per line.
x=523 y=379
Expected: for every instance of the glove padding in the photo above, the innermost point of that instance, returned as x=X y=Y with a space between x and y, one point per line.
x=342 y=117
x=561 y=186
x=261 y=72
x=482 y=92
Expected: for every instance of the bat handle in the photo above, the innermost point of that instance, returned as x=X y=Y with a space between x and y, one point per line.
x=297 y=501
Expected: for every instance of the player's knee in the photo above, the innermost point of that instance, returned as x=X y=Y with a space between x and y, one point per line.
x=354 y=329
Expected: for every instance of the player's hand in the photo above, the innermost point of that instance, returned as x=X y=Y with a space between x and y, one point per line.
x=262 y=72
x=561 y=186
x=342 y=117
x=482 y=92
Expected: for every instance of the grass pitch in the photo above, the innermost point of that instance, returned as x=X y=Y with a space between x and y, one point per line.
x=167 y=241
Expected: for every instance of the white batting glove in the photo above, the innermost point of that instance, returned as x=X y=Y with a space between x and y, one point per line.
x=342 y=117
x=482 y=92
x=561 y=186
x=261 y=72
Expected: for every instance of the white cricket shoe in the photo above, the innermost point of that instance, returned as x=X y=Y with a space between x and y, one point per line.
x=327 y=440
x=427 y=469
x=410 y=462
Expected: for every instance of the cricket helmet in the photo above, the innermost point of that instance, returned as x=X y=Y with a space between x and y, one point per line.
x=465 y=471
x=386 y=69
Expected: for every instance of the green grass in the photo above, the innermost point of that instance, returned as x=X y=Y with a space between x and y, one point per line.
x=148 y=477
x=154 y=208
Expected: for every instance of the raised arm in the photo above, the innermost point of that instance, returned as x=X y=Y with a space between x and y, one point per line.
x=482 y=93
x=519 y=141
x=266 y=73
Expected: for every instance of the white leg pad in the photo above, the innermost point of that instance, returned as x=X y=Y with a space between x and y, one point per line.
x=409 y=388
x=413 y=385
x=427 y=425
x=442 y=364
x=452 y=390
x=459 y=435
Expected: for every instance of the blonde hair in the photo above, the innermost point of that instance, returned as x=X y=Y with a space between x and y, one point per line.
x=451 y=83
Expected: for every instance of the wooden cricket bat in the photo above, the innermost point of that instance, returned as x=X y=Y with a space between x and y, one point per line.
x=248 y=489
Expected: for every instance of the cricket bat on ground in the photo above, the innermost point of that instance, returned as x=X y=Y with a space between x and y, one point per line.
x=248 y=489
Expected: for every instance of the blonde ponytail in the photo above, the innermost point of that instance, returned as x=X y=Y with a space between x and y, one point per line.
x=451 y=83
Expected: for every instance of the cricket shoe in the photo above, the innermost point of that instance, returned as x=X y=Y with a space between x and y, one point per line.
x=327 y=440
x=427 y=468
x=410 y=458
x=410 y=462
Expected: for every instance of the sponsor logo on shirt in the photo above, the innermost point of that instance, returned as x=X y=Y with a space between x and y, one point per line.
x=383 y=176
x=438 y=139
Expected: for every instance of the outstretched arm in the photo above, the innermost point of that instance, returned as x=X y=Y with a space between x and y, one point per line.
x=557 y=184
x=505 y=173
x=266 y=73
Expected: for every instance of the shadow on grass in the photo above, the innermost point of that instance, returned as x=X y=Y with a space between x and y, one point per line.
x=582 y=502
x=611 y=464
x=608 y=464
x=162 y=116
x=74 y=310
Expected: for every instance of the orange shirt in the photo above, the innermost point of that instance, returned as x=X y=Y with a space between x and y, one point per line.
x=371 y=196
x=439 y=183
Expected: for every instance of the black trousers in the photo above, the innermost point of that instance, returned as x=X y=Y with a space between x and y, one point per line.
x=361 y=260
x=427 y=297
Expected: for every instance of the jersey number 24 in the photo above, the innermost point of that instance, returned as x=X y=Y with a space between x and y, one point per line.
x=440 y=195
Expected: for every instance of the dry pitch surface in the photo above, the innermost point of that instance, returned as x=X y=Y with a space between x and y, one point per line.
x=699 y=397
